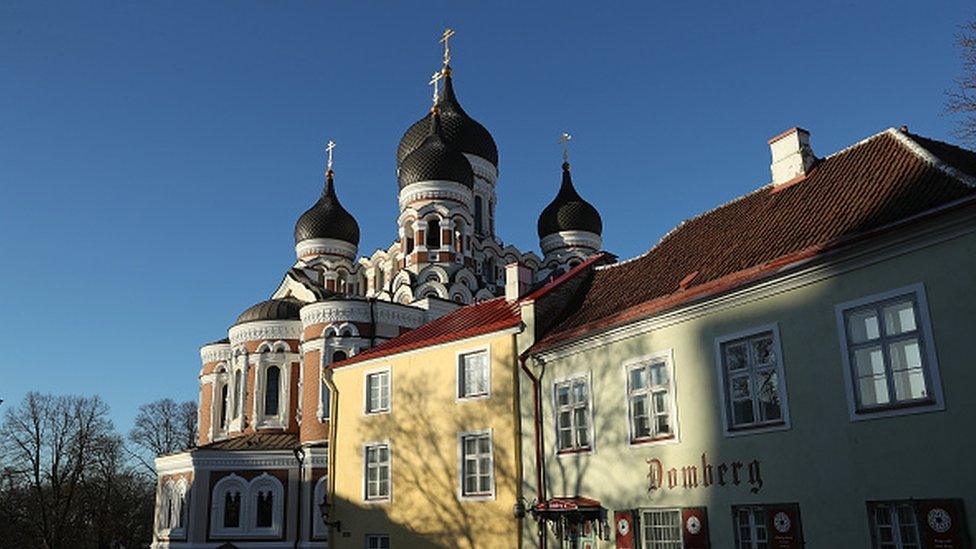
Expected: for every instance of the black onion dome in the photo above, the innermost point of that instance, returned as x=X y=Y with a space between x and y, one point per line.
x=273 y=309
x=460 y=130
x=568 y=211
x=327 y=218
x=435 y=160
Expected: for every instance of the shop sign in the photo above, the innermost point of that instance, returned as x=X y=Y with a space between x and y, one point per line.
x=783 y=524
x=704 y=475
x=623 y=525
x=943 y=523
x=694 y=520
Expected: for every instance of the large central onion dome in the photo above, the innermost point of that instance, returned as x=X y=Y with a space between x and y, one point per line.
x=435 y=159
x=327 y=218
x=569 y=212
x=460 y=130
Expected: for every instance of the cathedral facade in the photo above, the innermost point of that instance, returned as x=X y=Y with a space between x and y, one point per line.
x=259 y=473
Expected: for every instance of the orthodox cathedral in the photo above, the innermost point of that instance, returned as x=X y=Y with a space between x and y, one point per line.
x=259 y=471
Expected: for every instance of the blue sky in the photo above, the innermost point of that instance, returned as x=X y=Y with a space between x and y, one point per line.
x=154 y=156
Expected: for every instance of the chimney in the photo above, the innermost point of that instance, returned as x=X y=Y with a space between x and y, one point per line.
x=792 y=155
x=518 y=280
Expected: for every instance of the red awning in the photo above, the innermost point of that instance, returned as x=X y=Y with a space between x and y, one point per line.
x=577 y=503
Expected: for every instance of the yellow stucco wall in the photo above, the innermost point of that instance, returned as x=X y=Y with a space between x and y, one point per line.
x=422 y=429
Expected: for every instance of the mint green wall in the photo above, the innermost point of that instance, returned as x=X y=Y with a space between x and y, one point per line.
x=825 y=462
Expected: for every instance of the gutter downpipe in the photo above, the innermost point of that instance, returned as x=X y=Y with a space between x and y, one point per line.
x=537 y=423
x=333 y=433
x=300 y=457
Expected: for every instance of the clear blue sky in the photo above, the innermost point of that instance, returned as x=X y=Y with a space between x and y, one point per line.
x=154 y=156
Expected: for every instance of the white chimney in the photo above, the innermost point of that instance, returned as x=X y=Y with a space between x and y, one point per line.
x=792 y=155
x=518 y=280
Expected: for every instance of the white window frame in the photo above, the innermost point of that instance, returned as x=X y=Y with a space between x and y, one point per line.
x=365 y=470
x=725 y=390
x=389 y=391
x=264 y=482
x=459 y=374
x=173 y=494
x=217 y=496
x=461 y=458
x=274 y=355
x=642 y=534
x=320 y=491
x=737 y=533
x=927 y=341
x=891 y=507
x=628 y=365
x=367 y=537
x=587 y=377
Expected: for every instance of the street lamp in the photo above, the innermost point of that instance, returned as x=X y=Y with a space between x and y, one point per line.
x=324 y=512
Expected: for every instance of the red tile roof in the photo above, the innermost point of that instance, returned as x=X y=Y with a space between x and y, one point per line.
x=473 y=320
x=888 y=178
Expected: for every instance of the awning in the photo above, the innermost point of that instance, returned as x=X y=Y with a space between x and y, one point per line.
x=572 y=517
x=577 y=503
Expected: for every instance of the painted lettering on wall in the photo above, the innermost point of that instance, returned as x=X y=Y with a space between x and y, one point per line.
x=704 y=475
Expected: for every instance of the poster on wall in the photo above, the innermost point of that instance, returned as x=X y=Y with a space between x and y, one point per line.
x=784 y=527
x=694 y=521
x=942 y=523
x=623 y=525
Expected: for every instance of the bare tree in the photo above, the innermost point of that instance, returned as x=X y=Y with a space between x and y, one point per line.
x=49 y=444
x=164 y=427
x=963 y=100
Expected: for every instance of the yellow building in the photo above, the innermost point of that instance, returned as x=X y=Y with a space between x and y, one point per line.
x=426 y=441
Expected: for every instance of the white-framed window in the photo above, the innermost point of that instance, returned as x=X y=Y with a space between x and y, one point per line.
x=319 y=495
x=573 y=414
x=474 y=374
x=377 y=388
x=377 y=541
x=889 y=354
x=376 y=477
x=171 y=520
x=750 y=527
x=265 y=504
x=650 y=398
x=894 y=525
x=477 y=465
x=227 y=507
x=753 y=384
x=661 y=529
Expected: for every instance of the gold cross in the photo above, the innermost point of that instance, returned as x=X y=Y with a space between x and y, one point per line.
x=448 y=33
x=435 y=81
x=328 y=149
x=564 y=140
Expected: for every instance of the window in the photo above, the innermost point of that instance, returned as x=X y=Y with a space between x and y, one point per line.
x=319 y=496
x=889 y=354
x=478 y=214
x=377 y=541
x=223 y=406
x=650 y=399
x=752 y=376
x=477 y=465
x=227 y=506
x=661 y=529
x=271 y=390
x=242 y=508
x=339 y=356
x=172 y=508
x=573 y=415
x=377 y=472
x=378 y=392
x=238 y=387
x=433 y=233
x=232 y=509
x=474 y=375
x=750 y=528
x=894 y=525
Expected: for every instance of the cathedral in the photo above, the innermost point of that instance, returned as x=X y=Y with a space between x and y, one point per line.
x=258 y=474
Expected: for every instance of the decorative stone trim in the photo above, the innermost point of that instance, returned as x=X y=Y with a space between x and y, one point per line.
x=265 y=329
x=327 y=312
x=570 y=239
x=436 y=190
x=399 y=314
x=215 y=352
x=326 y=246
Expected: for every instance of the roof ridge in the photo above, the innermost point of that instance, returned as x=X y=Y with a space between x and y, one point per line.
x=930 y=158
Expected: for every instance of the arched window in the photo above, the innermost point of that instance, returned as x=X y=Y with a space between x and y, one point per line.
x=433 y=233
x=339 y=355
x=319 y=496
x=458 y=236
x=489 y=270
x=227 y=506
x=180 y=514
x=272 y=388
x=265 y=501
x=166 y=504
x=232 y=509
x=264 y=515
x=477 y=214
x=380 y=279
x=223 y=406
x=238 y=387
x=408 y=235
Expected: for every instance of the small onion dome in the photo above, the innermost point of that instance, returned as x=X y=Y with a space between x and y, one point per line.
x=568 y=211
x=273 y=309
x=460 y=130
x=435 y=159
x=327 y=219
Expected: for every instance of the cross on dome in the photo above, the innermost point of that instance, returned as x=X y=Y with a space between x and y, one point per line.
x=564 y=141
x=435 y=81
x=328 y=149
x=448 y=33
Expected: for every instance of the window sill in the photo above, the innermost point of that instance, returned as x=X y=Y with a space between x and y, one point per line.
x=574 y=451
x=650 y=441
x=920 y=407
x=467 y=398
x=756 y=429
x=377 y=501
x=475 y=498
x=376 y=412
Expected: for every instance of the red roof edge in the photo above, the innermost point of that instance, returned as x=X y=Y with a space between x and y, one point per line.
x=734 y=280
